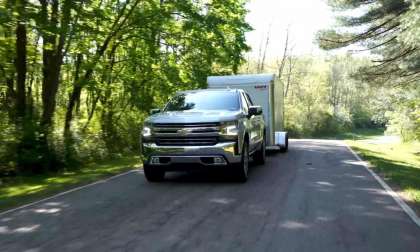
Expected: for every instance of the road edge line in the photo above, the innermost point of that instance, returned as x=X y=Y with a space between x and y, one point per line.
x=407 y=209
x=69 y=191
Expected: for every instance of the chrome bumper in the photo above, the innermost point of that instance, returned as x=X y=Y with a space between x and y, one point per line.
x=190 y=154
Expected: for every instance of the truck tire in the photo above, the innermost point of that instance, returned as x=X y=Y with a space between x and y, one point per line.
x=153 y=174
x=243 y=166
x=286 y=147
x=259 y=156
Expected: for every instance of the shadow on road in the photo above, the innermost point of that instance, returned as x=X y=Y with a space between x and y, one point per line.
x=222 y=175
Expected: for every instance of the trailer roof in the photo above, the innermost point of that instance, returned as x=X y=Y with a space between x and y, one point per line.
x=240 y=79
x=208 y=90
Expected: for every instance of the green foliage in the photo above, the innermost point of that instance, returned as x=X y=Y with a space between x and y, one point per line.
x=390 y=31
x=410 y=22
x=404 y=118
x=94 y=72
x=387 y=29
x=323 y=99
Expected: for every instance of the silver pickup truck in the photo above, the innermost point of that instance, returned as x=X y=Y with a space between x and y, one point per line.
x=204 y=128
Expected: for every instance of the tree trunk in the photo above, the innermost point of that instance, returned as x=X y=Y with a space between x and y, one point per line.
x=262 y=65
x=51 y=16
x=283 y=59
x=20 y=63
x=77 y=90
x=74 y=96
x=53 y=59
x=289 y=76
x=49 y=87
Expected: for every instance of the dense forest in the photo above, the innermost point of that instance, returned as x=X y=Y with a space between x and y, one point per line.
x=77 y=78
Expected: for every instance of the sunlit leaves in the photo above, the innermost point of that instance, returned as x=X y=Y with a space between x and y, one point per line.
x=124 y=57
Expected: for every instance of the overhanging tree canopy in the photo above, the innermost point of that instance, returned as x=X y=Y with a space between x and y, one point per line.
x=387 y=28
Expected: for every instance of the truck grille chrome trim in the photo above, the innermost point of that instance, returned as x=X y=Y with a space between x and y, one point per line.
x=185 y=125
x=188 y=134
x=186 y=141
x=158 y=130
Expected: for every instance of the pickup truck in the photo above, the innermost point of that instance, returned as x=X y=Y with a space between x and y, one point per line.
x=204 y=128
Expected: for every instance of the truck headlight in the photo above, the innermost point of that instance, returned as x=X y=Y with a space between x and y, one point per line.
x=146 y=132
x=229 y=129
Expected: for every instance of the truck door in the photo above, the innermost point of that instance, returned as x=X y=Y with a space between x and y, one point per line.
x=257 y=125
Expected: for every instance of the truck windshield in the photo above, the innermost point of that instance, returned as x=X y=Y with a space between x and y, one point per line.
x=212 y=100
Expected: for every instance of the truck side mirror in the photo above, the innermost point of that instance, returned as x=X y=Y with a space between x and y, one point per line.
x=255 y=110
x=154 y=111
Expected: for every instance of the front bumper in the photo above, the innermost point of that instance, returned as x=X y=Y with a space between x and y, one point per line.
x=203 y=155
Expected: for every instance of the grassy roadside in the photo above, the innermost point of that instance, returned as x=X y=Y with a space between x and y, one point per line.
x=397 y=163
x=25 y=189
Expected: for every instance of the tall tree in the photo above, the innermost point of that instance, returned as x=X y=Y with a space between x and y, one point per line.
x=20 y=61
x=54 y=27
x=385 y=29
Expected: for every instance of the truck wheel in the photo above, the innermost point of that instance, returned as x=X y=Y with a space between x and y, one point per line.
x=286 y=146
x=242 y=168
x=259 y=156
x=152 y=173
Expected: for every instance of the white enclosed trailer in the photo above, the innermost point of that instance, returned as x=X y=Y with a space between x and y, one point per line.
x=266 y=91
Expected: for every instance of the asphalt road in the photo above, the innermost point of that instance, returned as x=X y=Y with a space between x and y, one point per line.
x=316 y=197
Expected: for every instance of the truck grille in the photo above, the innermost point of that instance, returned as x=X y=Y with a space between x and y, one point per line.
x=191 y=134
x=183 y=125
x=186 y=141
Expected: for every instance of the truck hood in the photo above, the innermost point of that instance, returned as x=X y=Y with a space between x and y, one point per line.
x=194 y=116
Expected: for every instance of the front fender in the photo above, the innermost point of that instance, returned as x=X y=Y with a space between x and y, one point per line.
x=244 y=126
